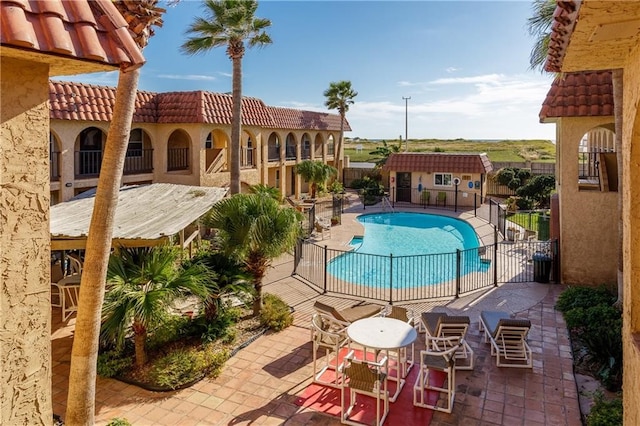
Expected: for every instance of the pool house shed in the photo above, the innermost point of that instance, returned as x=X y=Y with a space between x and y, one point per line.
x=437 y=179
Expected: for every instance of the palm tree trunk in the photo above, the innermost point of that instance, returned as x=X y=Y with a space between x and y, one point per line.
x=338 y=150
x=139 y=341
x=234 y=185
x=82 y=374
x=616 y=76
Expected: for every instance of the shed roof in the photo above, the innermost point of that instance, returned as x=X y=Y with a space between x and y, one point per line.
x=580 y=94
x=93 y=32
x=145 y=213
x=438 y=162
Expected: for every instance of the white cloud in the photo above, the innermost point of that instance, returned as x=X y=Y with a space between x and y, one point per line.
x=452 y=69
x=192 y=77
x=225 y=74
x=488 y=78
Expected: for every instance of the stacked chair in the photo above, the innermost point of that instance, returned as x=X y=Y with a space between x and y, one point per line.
x=508 y=337
x=441 y=325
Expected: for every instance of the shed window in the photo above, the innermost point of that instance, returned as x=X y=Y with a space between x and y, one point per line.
x=442 y=179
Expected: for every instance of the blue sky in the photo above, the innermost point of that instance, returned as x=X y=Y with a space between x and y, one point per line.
x=463 y=63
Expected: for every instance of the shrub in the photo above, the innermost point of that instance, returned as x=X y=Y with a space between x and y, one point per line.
x=113 y=363
x=605 y=413
x=336 y=187
x=117 y=421
x=186 y=365
x=584 y=297
x=275 y=313
x=173 y=328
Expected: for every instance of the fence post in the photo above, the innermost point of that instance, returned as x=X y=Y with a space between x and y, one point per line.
x=490 y=210
x=495 y=256
x=458 y=257
x=391 y=278
x=475 y=205
x=324 y=283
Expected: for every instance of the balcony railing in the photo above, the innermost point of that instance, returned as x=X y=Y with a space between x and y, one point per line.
x=330 y=149
x=290 y=153
x=306 y=154
x=247 y=157
x=177 y=159
x=138 y=161
x=273 y=153
x=88 y=163
x=54 y=166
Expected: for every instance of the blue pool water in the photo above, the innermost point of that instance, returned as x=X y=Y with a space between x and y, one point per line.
x=423 y=249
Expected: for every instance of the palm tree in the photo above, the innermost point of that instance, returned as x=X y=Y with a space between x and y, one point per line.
x=316 y=173
x=142 y=284
x=254 y=229
x=382 y=153
x=229 y=23
x=271 y=191
x=539 y=25
x=339 y=96
x=141 y=16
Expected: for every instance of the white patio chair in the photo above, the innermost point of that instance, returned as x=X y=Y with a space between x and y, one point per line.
x=368 y=378
x=331 y=335
x=443 y=361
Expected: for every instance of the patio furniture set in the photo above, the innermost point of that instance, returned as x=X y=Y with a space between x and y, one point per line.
x=379 y=346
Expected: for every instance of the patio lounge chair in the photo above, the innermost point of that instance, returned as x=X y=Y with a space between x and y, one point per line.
x=364 y=378
x=508 y=338
x=441 y=325
x=322 y=228
x=331 y=335
x=443 y=360
x=303 y=208
x=348 y=315
x=441 y=199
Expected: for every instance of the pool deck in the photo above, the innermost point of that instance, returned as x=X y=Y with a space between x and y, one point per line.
x=259 y=385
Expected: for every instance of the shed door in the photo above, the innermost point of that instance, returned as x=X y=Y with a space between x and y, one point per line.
x=404 y=186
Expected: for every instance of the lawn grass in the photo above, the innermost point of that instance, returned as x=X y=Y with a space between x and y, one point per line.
x=507 y=150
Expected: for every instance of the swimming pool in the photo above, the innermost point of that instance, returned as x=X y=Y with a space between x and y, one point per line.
x=409 y=250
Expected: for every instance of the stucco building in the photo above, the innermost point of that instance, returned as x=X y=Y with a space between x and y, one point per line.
x=183 y=138
x=39 y=39
x=593 y=35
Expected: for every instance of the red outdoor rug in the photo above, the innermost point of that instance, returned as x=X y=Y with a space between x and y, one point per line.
x=327 y=400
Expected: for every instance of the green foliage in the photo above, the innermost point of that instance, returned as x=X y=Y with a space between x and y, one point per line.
x=605 y=412
x=275 y=313
x=220 y=327
x=594 y=321
x=117 y=421
x=112 y=363
x=382 y=153
x=316 y=173
x=185 y=365
x=336 y=187
x=370 y=189
x=513 y=178
x=584 y=297
x=438 y=149
x=171 y=329
x=270 y=191
x=538 y=189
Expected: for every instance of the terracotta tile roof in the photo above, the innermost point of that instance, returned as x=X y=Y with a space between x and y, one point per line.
x=438 y=162
x=582 y=94
x=564 y=17
x=289 y=118
x=86 y=30
x=73 y=101
x=79 y=101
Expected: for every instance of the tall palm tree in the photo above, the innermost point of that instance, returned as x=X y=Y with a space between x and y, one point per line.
x=142 y=284
x=339 y=96
x=255 y=229
x=229 y=23
x=141 y=16
x=539 y=26
x=382 y=153
x=316 y=173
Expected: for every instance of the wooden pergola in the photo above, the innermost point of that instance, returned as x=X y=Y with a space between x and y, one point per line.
x=147 y=215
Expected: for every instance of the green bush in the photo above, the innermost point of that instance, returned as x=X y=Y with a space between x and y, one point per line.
x=113 y=363
x=171 y=329
x=186 y=365
x=119 y=422
x=584 y=297
x=275 y=313
x=605 y=413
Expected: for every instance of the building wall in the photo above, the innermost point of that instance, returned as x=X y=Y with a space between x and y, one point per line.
x=631 y=217
x=587 y=235
x=466 y=195
x=25 y=306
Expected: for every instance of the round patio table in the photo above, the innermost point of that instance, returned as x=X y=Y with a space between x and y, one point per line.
x=383 y=334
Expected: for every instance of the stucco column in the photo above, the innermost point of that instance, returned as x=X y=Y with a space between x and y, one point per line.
x=25 y=305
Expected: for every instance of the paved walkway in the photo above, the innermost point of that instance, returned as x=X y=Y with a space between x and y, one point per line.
x=259 y=385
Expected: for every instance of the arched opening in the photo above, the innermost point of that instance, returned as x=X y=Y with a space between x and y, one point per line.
x=54 y=157
x=247 y=153
x=306 y=147
x=139 y=158
x=597 y=161
x=215 y=147
x=273 y=147
x=89 y=154
x=178 y=151
x=290 y=147
x=317 y=146
x=330 y=145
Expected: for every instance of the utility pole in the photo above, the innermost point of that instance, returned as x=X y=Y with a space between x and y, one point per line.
x=406 y=123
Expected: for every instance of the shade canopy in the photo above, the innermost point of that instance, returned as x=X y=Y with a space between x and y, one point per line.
x=146 y=215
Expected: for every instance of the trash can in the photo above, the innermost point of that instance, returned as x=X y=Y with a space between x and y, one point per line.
x=541 y=267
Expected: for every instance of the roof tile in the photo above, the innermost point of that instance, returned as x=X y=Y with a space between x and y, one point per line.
x=438 y=162
x=79 y=29
x=580 y=94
